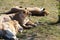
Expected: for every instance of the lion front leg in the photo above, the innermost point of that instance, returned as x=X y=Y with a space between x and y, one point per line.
x=31 y=24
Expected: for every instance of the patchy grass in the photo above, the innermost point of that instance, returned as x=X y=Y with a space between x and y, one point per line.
x=43 y=31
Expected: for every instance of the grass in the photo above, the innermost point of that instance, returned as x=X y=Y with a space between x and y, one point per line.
x=44 y=31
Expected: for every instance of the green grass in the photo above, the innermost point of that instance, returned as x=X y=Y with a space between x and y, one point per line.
x=43 y=31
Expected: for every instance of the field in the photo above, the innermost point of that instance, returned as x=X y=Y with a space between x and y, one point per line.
x=49 y=29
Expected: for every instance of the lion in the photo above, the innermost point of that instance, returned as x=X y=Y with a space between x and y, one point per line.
x=36 y=11
x=9 y=29
x=23 y=18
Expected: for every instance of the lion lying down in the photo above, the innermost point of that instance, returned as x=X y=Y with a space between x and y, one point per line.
x=9 y=29
x=35 y=11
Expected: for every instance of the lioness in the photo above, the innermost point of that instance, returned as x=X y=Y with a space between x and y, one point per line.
x=9 y=29
x=22 y=18
x=37 y=11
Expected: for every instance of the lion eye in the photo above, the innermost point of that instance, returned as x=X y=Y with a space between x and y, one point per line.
x=23 y=11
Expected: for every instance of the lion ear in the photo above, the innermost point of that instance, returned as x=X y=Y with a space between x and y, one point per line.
x=43 y=9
